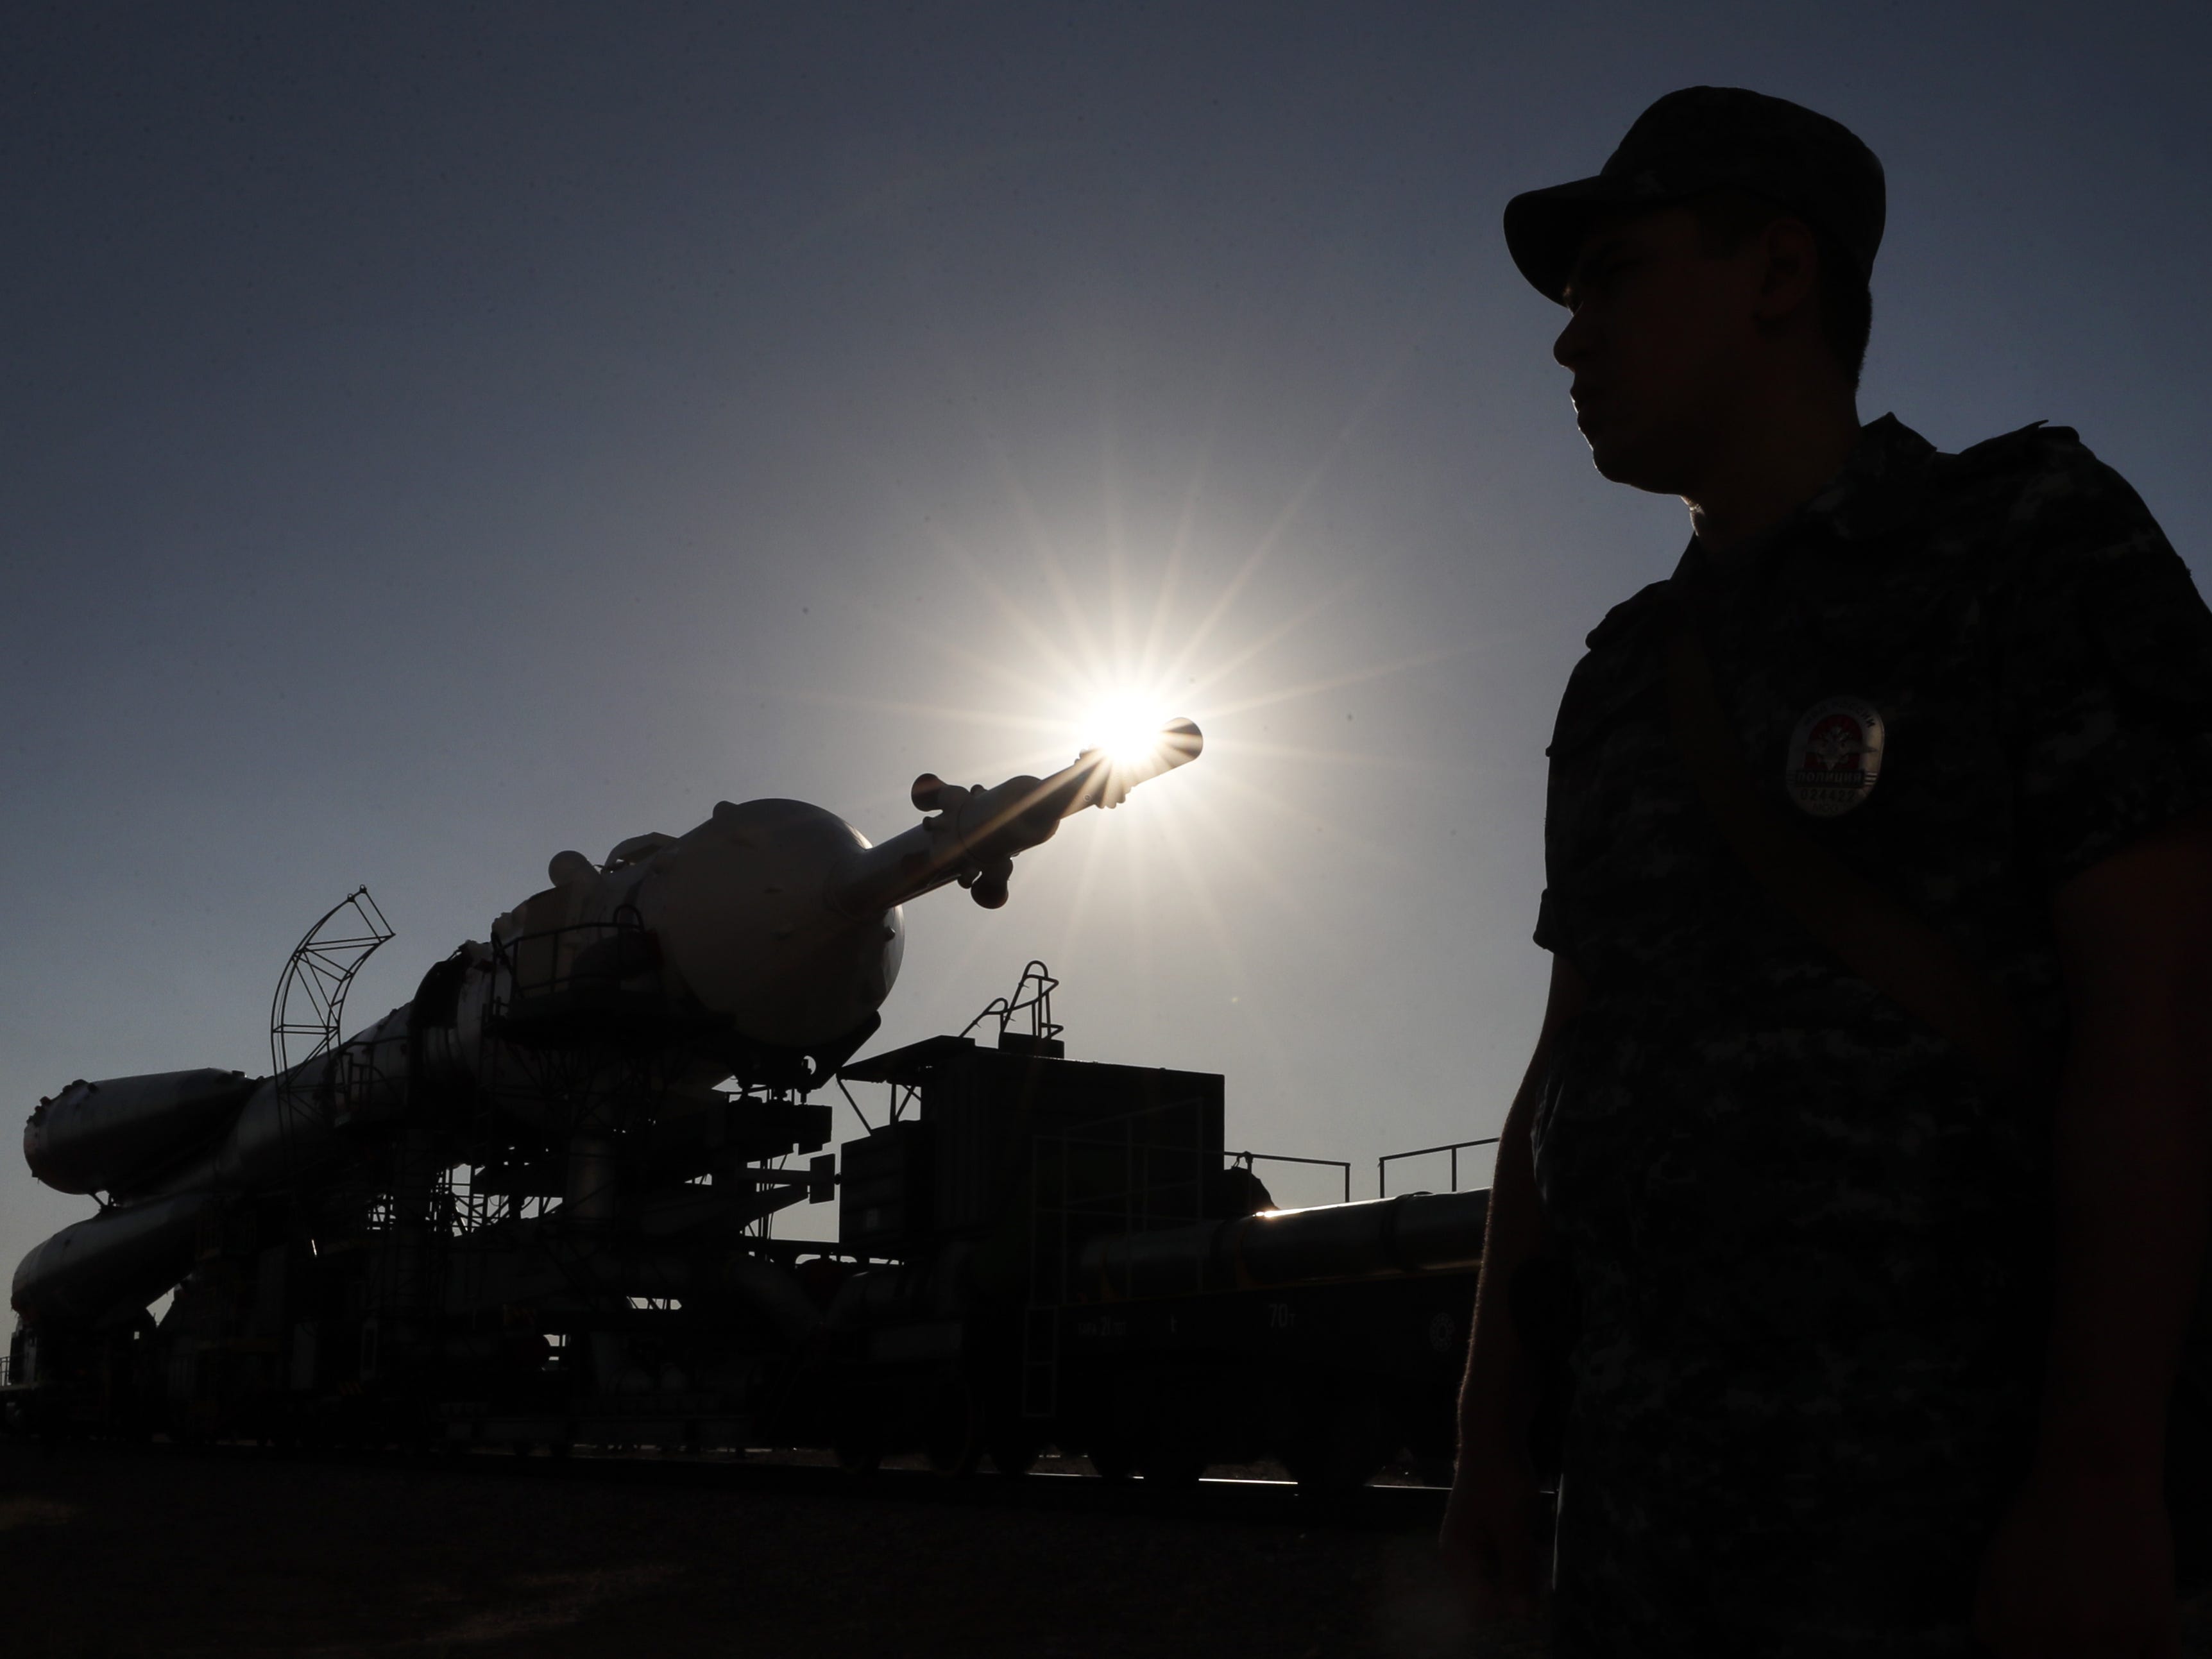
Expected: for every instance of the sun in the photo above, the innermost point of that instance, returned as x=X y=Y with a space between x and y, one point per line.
x=1126 y=726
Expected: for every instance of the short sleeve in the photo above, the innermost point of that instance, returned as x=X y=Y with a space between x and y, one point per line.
x=2108 y=667
x=1548 y=923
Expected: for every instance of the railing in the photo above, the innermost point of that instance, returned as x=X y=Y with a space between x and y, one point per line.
x=1034 y=993
x=1383 y=1163
x=1343 y=1163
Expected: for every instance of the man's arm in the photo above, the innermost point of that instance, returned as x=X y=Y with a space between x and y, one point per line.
x=1490 y=1528
x=2083 y=1564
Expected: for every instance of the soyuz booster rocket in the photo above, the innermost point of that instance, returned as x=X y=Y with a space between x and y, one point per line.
x=759 y=945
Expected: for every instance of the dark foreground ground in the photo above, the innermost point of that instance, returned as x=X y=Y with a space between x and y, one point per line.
x=106 y=1552
x=111 y=1553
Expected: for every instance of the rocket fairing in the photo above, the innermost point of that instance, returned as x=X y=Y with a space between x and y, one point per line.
x=760 y=942
x=116 y=1135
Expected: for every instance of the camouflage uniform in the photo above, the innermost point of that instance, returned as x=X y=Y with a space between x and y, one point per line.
x=1810 y=1238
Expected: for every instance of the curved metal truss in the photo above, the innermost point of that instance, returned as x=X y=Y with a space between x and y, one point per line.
x=310 y=999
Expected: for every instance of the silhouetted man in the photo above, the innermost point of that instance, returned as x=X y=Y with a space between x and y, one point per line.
x=1867 y=1140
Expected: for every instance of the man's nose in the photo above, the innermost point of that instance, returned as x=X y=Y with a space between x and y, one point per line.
x=1574 y=342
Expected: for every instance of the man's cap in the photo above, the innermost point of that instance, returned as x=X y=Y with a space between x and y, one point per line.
x=1702 y=139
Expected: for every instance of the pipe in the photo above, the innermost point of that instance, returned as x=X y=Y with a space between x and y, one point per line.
x=1413 y=1233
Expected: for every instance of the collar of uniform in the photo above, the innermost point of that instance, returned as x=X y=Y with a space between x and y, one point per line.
x=1877 y=490
x=1878 y=486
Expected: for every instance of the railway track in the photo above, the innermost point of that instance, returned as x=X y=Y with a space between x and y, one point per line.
x=1056 y=1484
x=158 y=1551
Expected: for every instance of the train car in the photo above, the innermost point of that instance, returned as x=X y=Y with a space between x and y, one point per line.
x=1075 y=1261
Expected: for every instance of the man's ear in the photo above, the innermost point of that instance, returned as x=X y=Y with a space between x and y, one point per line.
x=1791 y=274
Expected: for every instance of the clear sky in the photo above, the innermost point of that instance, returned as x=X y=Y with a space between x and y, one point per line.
x=436 y=435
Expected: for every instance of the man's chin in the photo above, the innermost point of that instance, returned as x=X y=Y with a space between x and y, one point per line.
x=1621 y=462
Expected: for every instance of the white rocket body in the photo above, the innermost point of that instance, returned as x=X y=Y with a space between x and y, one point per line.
x=773 y=926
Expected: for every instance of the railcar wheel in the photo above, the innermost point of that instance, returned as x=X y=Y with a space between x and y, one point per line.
x=1112 y=1462
x=859 y=1454
x=1172 y=1469
x=1434 y=1471
x=1346 y=1442
x=856 y=1431
x=954 y=1441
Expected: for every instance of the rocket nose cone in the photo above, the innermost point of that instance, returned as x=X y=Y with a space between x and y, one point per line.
x=1180 y=742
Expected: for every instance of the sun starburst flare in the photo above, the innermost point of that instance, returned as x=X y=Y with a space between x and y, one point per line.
x=1085 y=648
x=1126 y=726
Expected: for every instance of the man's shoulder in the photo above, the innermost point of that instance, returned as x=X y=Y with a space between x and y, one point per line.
x=2052 y=539
x=1632 y=614
x=2040 y=485
x=2034 y=448
x=1613 y=669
